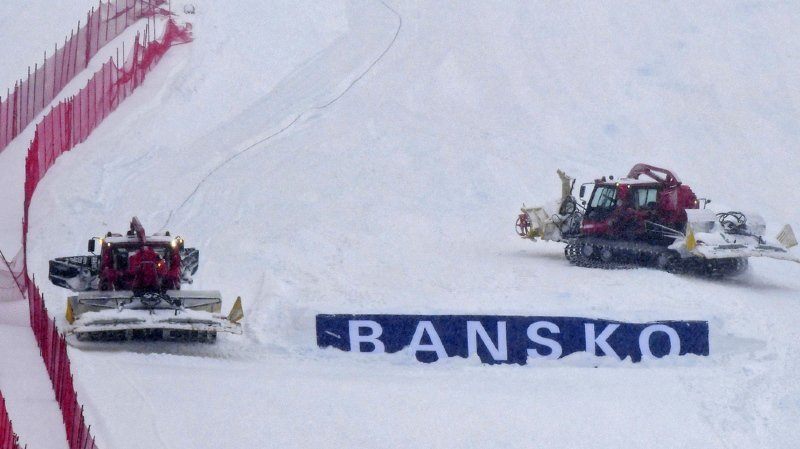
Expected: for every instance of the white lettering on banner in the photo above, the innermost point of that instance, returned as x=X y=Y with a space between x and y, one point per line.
x=601 y=340
x=475 y=329
x=533 y=335
x=644 y=339
x=436 y=342
x=548 y=338
x=356 y=338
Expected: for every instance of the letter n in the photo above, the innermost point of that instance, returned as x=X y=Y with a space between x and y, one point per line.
x=475 y=329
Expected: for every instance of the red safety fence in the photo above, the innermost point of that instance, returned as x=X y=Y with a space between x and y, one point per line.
x=11 y=288
x=34 y=92
x=71 y=121
x=8 y=439
x=53 y=349
x=66 y=125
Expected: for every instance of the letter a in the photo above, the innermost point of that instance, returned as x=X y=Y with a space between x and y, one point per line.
x=436 y=342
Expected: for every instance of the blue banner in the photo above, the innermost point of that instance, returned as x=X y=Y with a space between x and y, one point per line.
x=510 y=339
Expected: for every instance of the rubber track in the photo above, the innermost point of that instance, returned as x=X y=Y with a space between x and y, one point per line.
x=629 y=255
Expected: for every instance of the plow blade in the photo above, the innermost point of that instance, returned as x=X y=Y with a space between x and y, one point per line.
x=733 y=250
x=734 y=235
x=172 y=315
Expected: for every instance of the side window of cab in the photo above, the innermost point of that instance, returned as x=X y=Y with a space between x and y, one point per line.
x=645 y=198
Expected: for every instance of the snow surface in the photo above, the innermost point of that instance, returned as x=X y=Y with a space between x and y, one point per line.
x=368 y=157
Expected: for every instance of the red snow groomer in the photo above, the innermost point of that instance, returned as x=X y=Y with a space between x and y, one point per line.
x=650 y=218
x=132 y=290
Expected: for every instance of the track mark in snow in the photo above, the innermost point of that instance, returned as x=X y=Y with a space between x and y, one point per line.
x=296 y=118
x=374 y=63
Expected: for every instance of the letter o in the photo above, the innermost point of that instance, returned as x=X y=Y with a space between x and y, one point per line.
x=644 y=339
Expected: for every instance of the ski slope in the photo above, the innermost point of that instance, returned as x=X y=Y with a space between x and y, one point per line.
x=368 y=157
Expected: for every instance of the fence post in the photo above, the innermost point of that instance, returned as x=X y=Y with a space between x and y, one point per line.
x=55 y=153
x=35 y=76
x=75 y=58
x=88 y=40
x=9 y=120
x=14 y=112
x=97 y=37
x=76 y=135
x=26 y=118
x=108 y=20
x=55 y=89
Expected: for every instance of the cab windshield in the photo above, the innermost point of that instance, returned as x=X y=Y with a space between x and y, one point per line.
x=603 y=200
x=121 y=254
x=604 y=197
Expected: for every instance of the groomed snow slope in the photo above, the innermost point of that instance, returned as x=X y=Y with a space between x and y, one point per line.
x=368 y=157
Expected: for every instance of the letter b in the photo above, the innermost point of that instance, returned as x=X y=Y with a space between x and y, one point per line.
x=372 y=338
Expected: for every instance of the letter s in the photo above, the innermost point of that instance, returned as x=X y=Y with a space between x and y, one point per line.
x=533 y=335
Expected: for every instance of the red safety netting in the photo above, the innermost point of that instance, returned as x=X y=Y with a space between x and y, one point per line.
x=71 y=121
x=66 y=125
x=53 y=348
x=8 y=439
x=35 y=91
x=11 y=288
